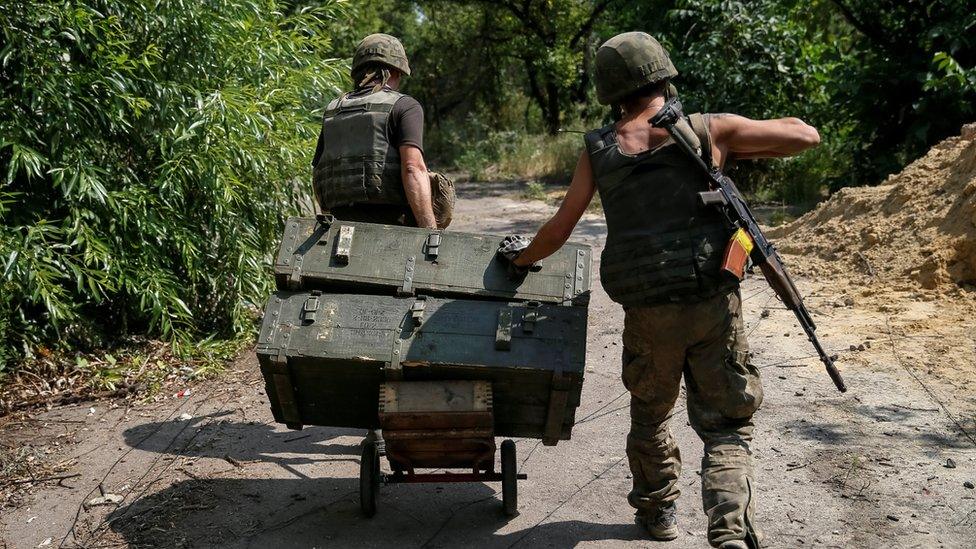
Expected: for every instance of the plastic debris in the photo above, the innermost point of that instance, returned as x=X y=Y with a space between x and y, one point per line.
x=185 y=417
x=107 y=499
x=183 y=393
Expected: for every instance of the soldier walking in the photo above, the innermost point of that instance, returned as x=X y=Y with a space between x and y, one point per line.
x=662 y=262
x=369 y=162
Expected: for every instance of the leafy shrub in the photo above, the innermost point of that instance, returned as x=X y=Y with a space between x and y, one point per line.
x=148 y=153
x=512 y=154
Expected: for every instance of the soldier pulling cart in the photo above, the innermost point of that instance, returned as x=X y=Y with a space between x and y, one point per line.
x=422 y=334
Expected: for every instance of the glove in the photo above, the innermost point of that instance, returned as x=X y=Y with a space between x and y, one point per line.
x=510 y=248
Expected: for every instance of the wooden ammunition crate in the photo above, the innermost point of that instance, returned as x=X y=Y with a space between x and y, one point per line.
x=324 y=357
x=345 y=257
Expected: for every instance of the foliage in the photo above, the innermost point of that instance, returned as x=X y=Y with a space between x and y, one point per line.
x=148 y=152
x=512 y=154
x=908 y=80
x=881 y=80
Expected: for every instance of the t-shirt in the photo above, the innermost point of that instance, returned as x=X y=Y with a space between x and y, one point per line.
x=405 y=127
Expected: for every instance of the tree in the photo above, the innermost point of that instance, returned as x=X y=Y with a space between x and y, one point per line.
x=148 y=153
x=549 y=40
x=910 y=81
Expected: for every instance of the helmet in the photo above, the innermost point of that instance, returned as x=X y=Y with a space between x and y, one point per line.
x=628 y=62
x=380 y=48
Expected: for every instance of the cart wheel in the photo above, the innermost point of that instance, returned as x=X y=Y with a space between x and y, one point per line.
x=509 y=480
x=369 y=478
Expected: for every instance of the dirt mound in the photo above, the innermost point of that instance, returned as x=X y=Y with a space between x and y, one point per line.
x=918 y=228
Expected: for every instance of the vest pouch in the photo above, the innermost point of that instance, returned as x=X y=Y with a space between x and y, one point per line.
x=710 y=257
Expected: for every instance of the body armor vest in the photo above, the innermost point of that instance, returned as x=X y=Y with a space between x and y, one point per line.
x=358 y=164
x=662 y=244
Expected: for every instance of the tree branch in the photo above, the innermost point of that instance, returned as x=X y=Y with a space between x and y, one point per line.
x=874 y=35
x=591 y=20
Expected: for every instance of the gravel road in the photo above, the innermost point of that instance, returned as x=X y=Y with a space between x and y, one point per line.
x=863 y=469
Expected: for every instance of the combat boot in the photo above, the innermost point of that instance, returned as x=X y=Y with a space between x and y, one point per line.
x=662 y=524
x=734 y=544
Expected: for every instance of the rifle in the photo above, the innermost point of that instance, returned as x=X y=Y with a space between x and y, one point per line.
x=749 y=240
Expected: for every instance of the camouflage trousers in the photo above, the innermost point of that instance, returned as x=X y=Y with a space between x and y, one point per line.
x=704 y=342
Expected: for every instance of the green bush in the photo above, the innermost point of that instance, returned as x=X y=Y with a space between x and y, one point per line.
x=515 y=155
x=148 y=153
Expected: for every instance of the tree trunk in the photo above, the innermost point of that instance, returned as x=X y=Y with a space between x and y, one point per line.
x=552 y=113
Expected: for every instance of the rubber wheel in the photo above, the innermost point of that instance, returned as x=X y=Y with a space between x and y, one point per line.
x=369 y=478
x=509 y=480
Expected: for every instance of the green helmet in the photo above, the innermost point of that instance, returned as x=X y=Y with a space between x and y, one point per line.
x=380 y=48
x=628 y=62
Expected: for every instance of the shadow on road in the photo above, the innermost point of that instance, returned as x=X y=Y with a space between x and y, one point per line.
x=310 y=511
x=325 y=512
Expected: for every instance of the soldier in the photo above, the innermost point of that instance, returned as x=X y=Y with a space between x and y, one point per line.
x=369 y=162
x=662 y=262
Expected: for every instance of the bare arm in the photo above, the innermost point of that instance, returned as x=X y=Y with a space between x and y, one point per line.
x=416 y=183
x=735 y=136
x=557 y=230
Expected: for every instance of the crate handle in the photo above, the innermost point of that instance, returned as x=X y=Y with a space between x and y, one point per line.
x=344 y=244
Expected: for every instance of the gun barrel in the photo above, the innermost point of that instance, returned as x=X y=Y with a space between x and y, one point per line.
x=828 y=362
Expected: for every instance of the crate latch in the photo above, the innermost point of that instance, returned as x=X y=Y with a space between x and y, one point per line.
x=344 y=244
x=417 y=310
x=530 y=316
x=503 y=333
x=310 y=308
x=432 y=245
x=407 y=287
x=558 y=397
x=325 y=220
x=295 y=278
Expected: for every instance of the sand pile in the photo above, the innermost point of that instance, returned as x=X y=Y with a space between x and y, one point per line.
x=916 y=229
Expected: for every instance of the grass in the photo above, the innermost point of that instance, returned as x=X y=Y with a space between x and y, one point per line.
x=513 y=155
x=135 y=365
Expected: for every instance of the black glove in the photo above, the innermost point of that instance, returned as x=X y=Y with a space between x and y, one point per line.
x=510 y=248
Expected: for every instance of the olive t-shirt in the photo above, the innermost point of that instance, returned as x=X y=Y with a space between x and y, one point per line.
x=405 y=127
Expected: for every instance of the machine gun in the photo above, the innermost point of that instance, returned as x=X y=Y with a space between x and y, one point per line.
x=749 y=240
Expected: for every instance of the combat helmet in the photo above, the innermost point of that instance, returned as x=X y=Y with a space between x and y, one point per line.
x=628 y=62
x=380 y=48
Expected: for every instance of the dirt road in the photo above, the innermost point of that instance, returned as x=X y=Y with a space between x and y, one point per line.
x=865 y=469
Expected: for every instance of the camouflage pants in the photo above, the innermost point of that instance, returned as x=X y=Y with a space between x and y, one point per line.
x=705 y=343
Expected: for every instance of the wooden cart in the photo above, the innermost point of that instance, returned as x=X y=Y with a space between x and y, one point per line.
x=437 y=425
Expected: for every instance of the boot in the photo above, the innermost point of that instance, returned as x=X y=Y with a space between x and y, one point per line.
x=662 y=524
